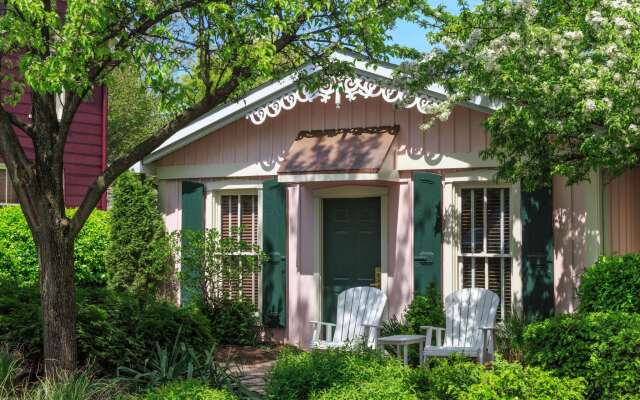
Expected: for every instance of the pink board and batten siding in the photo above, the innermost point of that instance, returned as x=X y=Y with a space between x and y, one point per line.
x=243 y=142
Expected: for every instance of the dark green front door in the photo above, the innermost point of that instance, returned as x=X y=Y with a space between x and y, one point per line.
x=351 y=248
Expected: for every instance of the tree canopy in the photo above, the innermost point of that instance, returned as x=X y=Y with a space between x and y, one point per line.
x=564 y=76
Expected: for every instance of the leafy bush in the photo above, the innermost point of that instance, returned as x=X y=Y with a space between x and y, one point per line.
x=604 y=348
x=234 y=322
x=457 y=378
x=323 y=374
x=19 y=258
x=113 y=329
x=425 y=310
x=510 y=336
x=611 y=284
x=190 y=389
x=139 y=252
x=445 y=378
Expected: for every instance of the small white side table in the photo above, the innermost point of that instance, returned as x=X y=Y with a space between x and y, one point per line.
x=404 y=341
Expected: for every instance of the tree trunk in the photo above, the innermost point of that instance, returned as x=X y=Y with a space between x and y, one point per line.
x=57 y=291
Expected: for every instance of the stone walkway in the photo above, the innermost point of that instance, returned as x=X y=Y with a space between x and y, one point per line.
x=253 y=362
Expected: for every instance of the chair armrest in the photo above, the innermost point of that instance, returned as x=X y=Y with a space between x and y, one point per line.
x=435 y=328
x=317 y=331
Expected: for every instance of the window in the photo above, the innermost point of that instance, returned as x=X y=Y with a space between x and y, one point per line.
x=485 y=242
x=238 y=215
x=7 y=194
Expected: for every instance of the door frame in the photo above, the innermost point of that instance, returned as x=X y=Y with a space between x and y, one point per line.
x=342 y=192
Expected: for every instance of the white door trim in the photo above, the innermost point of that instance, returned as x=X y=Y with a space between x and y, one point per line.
x=349 y=191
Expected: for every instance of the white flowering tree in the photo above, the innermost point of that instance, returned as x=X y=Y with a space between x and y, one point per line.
x=565 y=76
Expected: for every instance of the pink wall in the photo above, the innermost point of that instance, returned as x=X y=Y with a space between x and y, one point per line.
x=243 y=142
x=623 y=214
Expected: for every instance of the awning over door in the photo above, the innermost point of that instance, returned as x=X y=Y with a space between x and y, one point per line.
x=339 y=151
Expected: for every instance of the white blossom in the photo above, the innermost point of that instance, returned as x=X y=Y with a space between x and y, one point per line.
x=595 y=19
x=633 y=128
x=573 y=35
x=590 y=105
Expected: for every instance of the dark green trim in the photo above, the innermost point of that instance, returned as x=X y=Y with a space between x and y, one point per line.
x=537 y=254
x=427 y=232
x=274 y=244
x=192 y=220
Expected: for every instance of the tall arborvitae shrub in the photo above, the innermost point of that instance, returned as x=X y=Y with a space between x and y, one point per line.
x=139 y=253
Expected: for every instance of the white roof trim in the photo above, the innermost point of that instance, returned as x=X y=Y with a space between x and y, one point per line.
x=275 y=91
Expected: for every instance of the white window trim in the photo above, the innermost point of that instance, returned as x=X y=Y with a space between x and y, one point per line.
x=213 y=212
x=451 y=260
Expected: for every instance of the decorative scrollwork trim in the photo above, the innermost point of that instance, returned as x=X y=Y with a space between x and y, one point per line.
x=351 y=89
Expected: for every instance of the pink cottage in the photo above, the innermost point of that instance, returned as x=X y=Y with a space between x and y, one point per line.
x=343 y=189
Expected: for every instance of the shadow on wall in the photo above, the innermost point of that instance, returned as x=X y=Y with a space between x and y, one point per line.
x=577 y=242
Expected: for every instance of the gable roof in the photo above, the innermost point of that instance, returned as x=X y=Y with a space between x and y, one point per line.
x=270 y=91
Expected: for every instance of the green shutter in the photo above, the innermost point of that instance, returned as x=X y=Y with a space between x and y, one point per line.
x=274 y=243
x=537 y=254
x=192 y=220
x=427 y=232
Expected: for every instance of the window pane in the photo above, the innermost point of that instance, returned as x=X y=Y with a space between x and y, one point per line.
x=473 y=272
x=472 y=221
x=498 y=221
x=500 y=282
x=465 y=223
x=478 y=220
x=228 y=215
x=7 y=194
x=249 y=218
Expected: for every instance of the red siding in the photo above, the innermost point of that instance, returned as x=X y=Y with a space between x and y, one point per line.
x=84 y=156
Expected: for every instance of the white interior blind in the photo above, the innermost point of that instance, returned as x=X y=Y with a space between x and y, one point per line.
x=241 y=211
x=485 y=242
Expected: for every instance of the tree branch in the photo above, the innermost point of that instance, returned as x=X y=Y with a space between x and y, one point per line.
x=19 y=167
x=18 y=123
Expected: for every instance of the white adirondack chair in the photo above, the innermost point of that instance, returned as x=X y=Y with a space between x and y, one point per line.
x=470 y=321
x=357 y=319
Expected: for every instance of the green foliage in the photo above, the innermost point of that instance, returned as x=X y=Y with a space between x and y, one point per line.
x=139 y=255
x=113 y=329
x=190 y=389
x=612 y=284
x=425 y=310
x=457 y=378
x=604 y=348
x=220 y=261
x=181 y=362
x=560 y=70
x=10 y=369
x=19 y=258
x=303 y=375
x=445 y=378
x=134 y=111
x=234 y=321
x=510 y=336
x=81 y=385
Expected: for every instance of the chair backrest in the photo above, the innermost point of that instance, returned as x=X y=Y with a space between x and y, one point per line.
x=358 y=306
x=467 y=311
